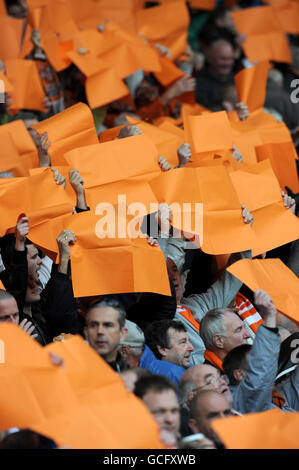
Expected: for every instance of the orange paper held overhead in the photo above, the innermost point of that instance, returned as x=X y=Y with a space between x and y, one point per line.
x=104 y=87
x=265 y=40
x=210 y=132
x=72 y=128
x=273 y=276
x=271 y=429
x=6 y=86
x=10 y=37
x=251 y=85
x=22 y=142
x=258 y=189
x=108 y=256
x=221 y=230
x=10 y=159
x=80 y=411
x=169 y=72
x=19 y=195
x=282 y=158
x=27 y=92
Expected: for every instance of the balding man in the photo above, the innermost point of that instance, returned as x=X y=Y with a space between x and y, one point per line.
x=196 y=379
x=216 y=75
x=206 y=406
x=9 y=313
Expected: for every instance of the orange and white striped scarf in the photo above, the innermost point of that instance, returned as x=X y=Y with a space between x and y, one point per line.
x=247 y=312
x=185 y=312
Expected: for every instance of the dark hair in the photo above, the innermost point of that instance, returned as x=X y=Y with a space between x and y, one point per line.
x=235 y=359
x=156 y=334
x=109 y=301
x=155 y=382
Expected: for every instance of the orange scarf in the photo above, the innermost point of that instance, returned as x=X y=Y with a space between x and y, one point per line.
x=185 y=312
x=247 y=312
x=213 y=359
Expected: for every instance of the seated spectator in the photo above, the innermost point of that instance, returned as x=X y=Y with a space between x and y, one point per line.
x=206 y=406
x=221 y=330
x=159 y=395
x=169 y=341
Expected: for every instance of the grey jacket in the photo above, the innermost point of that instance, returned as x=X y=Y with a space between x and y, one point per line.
x=254 y=393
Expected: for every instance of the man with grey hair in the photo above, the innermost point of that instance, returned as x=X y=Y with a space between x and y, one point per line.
x=221 y=330
x=105 y=330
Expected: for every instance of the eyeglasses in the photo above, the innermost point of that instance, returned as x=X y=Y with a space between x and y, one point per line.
x=213 y=380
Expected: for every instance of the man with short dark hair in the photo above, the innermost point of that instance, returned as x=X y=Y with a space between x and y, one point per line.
x=206 y=406
x=105 y=330
x=169 y=341
x=159 y=395
x=235 y=363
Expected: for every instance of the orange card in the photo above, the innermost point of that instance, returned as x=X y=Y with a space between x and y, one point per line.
x=212 y=209
x=22 y=142
x=169 y=72
x=10 y=158
x=265 y=39
x=210 y=132
x=282 y=158
x=273 y=276
x=27 y=92
x=259 y=191
x=10 y=37
x=69 y=129
x=271 y=429
x=104 y=87
x=203 y=4
x=251 y=85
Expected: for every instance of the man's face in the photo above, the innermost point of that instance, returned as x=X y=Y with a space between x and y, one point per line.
x=33 y=261
x=9 y=312
x=180 y=348
x=165 y=409
x=209 y=407
x=221 y=58
x=206 y=377
x=176 y=279
x=103 y=332
x=236 y=334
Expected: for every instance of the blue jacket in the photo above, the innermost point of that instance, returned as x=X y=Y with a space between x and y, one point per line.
x=155 y=366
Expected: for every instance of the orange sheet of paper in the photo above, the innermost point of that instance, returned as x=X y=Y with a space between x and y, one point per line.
x=115 y=263
x=39 y=197
x=165 y=142
x=72 y=128
x=161 y=21
x=271 y=429
x=273 y=276
x=222 y=229
x=282 y=158
x=33 y=389
x=287 y=13
x=265 y=39
x=10 y=159
x=260 y=128
x=3 y=11
x=80 y=410
x=22 y=142
x=104 y=87
x=10 y=37
x=118 y=167
x=210 y=132
x=169 y=72
x=251 y=85
x=259 y=191
x=27 y=92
